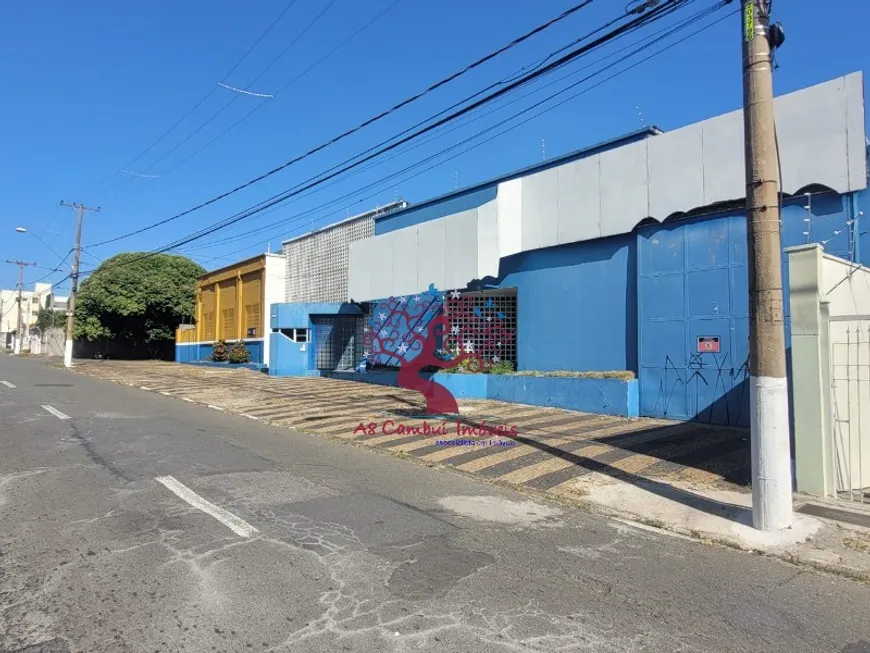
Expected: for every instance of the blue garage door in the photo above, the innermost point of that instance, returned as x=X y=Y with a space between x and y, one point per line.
x=694 y=321
x=692 y=283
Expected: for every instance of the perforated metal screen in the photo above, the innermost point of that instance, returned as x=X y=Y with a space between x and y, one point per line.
x=317 y=264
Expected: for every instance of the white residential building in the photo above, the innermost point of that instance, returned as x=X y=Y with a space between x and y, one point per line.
x=31 y=302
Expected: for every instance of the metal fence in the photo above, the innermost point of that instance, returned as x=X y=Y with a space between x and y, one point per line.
x=850 y=405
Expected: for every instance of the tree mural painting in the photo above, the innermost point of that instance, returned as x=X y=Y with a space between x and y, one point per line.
x=435 y=330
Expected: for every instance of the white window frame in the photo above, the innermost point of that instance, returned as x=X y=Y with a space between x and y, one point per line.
x=300 y=336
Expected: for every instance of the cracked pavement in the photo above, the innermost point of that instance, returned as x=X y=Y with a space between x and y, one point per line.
x=353 y=551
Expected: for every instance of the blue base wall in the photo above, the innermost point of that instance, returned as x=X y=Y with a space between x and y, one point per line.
x=601 y=396
x=234 y=366
x=200 y=351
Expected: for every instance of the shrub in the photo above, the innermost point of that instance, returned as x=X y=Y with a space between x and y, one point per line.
x=502 y=367
x=219 y=351
x=239 y=354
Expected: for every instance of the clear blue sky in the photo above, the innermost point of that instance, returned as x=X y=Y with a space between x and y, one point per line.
x=87 y=86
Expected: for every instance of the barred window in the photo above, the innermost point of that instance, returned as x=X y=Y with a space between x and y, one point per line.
x=208 y=325
x=252 y=320
x=228 y=316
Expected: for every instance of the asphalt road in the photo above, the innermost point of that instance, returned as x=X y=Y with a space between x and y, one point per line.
x=256 y=538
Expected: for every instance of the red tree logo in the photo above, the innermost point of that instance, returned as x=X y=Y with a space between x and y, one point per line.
x=437 y=331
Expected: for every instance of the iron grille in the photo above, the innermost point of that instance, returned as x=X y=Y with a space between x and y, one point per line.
x=338 y=342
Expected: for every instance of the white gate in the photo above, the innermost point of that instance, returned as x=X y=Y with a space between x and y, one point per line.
x=850 y=404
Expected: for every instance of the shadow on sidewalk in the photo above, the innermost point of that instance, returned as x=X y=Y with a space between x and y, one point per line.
x=731 y=511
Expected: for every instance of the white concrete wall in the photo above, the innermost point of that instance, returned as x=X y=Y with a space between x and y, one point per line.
x=275 y=278
x=830 y=349
x=821 y=139
x=846 y=288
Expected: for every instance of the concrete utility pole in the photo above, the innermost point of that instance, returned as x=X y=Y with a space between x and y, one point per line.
x=71 y=304
x=20 y=329
x=768 y=389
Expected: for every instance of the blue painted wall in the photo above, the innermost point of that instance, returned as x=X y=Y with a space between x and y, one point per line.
x=602 y=396
x=200 y=351
x=298 y=316
x=576 y=305
x=693 y=282
x=297 y=359
x=288 y=358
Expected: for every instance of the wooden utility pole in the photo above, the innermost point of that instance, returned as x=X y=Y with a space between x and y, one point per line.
x=71 y=304
x=768 y=389
x=20 y=329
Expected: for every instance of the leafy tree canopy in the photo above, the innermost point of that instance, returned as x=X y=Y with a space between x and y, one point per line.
x=140 y=298
x=47 y=318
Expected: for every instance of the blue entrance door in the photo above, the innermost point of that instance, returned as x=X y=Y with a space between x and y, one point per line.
x=694 y=321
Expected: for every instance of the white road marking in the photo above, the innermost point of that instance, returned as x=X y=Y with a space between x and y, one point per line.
x=7 y=384
x=54 y=411
x=235 y=524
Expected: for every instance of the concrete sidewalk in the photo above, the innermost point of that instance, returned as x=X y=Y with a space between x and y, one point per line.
x=687 y=478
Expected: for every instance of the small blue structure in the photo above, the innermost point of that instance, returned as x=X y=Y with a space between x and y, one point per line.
x=308 y=338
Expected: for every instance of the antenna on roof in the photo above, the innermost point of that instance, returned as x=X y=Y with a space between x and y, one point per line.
x=640 y=116
x=543 y=150
x=455 y=179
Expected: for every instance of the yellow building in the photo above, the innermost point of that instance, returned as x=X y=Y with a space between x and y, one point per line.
x=232 y=304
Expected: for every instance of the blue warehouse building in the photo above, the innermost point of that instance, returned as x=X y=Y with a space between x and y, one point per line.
x=626 y=262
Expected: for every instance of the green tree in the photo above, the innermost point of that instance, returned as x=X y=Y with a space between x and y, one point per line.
x=135 y=297
x=47 y=318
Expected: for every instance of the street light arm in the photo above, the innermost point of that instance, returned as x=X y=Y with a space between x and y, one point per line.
x=24 y=230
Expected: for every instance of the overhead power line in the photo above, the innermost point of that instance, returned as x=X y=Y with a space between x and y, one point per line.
x=476 y=64
x=59 y=268
x=283 y=88
x=240 y=92
x=666 y=32
x=690 y=23
x=207 y=96
x=467 y=109
x=654 y=14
